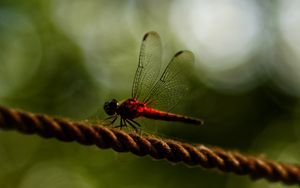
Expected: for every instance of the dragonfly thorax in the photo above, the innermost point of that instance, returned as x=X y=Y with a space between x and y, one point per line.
x=130 y=109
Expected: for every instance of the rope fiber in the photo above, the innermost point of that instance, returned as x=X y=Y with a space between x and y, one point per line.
x=158 y=148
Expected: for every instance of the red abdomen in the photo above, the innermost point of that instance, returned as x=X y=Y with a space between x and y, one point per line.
x=160 y=115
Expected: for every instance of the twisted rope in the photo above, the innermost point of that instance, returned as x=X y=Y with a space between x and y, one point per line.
x=174 y=151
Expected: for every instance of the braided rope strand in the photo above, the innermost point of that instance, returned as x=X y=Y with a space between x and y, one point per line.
x=171 y=150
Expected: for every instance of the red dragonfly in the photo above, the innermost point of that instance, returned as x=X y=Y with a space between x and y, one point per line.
x=151 y=90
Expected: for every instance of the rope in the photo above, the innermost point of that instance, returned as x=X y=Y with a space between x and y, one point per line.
x=171 y=150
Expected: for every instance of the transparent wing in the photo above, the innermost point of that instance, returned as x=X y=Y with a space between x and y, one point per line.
x=149 y=65
x=172 y=85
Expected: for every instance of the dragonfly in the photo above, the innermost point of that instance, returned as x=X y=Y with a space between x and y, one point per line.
x=153 y=90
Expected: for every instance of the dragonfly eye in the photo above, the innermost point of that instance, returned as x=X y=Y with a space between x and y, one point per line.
x=110 y=107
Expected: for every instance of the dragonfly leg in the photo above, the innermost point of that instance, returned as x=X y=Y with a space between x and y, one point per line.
x=136 y=123
x=121 y=124
x=107 y=122
x=132 y=125
x=124 y=123
x=115 y=118
x=108 y=118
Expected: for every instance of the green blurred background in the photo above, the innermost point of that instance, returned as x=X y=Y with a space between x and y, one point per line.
x=66 y=58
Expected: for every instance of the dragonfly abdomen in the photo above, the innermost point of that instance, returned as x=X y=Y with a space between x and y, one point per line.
x=160 y=115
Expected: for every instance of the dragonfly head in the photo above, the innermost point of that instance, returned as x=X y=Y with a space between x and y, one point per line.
x=110 y=107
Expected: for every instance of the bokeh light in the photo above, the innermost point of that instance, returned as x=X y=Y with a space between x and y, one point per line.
x=288 y=68
x=223 y=34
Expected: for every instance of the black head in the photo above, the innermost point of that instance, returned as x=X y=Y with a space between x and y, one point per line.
x=110 y=107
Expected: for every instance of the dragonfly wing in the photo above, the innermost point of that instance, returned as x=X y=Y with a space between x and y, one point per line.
x=149 y=65
x=172 y=85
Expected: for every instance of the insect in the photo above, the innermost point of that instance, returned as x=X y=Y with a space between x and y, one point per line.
x=153 y=90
